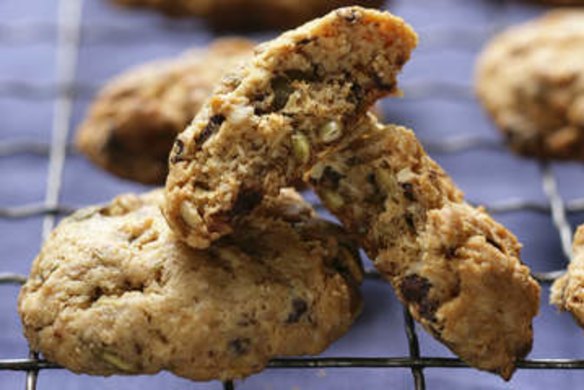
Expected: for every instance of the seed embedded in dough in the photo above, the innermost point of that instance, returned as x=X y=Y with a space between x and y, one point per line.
x=301 y=147
x=116 y=361
x=330 y=132
x=190 y=214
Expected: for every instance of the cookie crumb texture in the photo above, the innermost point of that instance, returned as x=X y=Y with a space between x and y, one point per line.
x=568 y=291
x=457 y=271
x=131 y=126
x=531 y=81
x=113 y=291
x=266 y=125
x=248 y=14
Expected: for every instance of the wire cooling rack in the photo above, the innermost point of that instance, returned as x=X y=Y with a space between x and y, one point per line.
x=65 y=92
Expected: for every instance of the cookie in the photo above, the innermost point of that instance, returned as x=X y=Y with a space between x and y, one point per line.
x=269 y=122
x=132 y=124
x=567 y=292
x=456 y=270
x=248 y=14
x=114 y=292
x=530 y=79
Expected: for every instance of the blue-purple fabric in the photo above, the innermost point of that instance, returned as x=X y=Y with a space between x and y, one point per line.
x=438 y=105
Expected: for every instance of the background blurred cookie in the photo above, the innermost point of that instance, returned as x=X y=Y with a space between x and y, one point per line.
x=531 y=81
x=249 y=14
x=131 y=126
x=113 y=291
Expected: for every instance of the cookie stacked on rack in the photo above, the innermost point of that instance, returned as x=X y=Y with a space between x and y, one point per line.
x=241 y=269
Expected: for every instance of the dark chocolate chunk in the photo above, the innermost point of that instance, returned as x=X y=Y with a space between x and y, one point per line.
x=282 y=91
x=239 y=346
x=450 y=252
x=410 y=221
x=96 y=294
x=341 y=267
x=299 y=308
x=408 y=189
x=427 y=309
x=357 y=93
x=246 y=201
x=210 y=129
x=330 y=178
x=414 y=289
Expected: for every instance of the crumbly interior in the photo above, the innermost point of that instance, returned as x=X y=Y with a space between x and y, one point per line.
x=457 y=271
x=249 y=14
x=567 y=292
x=114 y=292
x=271 y=121
x=131 y=126
x=531 y=81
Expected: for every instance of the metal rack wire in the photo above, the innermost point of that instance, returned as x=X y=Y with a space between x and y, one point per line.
x=64 y=93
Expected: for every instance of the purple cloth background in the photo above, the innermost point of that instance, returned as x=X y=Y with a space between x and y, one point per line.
x=452 y=32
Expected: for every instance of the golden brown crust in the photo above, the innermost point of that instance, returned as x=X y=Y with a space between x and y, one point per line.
x=456 y=269
x=132 y=124
x=114 y=292
x=531 y=81
x=266 y=124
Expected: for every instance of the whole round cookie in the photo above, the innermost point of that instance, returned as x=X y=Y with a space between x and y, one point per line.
x=456 y=270
x=531 y=81
x=131 y=126
x=567 y=292
x=249 y=14
x=267 y=123
x=114 y=292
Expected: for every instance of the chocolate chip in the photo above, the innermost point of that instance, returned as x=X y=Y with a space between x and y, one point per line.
x=239 y=346
x=330 y=178
x=408 y=189
x=427 y=309
x=178 y=149
x=305 y=41
x=282 y=91
x=299 y=307
x=214 y=124
x=414 y=289
x=357 y=93
x=450 y=252
x=96 y=294
x=409 y=218
x=247 y=200
x=340 y=266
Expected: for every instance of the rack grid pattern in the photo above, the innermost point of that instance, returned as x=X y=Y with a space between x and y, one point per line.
x=66 y=91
